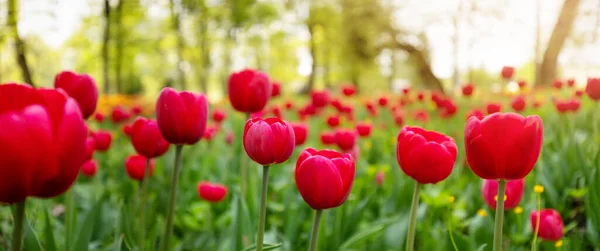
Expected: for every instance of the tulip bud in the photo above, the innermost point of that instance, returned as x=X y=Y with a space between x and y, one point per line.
x=493 y=108
x=345 y=139
x=327 y=138
x=507 y=72
x=99 y=117
x=320 y=99
x=181 y=116
x=103 y=140
x=211 y=192
x=119 y=115
x=90 y=147
x=348 y=90
x=333 y=121
x=300 y=132
x=269 y=141
x=467 y=90
x=218 y=116
x=513 y=193
x=593 y=88
x=276 y=89
x=135 y=165
x=82 y=88
x=518 y=104
x=364 y=129
x=89 y=168
x=551 y=224
x=147 y=139
x=249 y=90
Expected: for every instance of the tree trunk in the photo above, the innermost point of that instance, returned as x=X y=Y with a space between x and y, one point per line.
x=327 y=69
x=563 y=26
x=180 y=46
x=227 y=69
x=19 y=44
x=120 y=45
x=392 y=76
x=105 y=39
x=424 y=67
x=313 y=53
x=205 y=53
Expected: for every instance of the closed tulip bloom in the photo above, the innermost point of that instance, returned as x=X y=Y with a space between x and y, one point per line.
x=269 y=141
x=89 y=168
x=99 y=117
x=475 y=113
x=503 y=145
x=345 y=139
x=522 y=84
x=382 y=101
x=209 y=133
x=578 y=93
x=493 y=108
x=571 y=82
x=557 y=84
x=218 y=115
x=275 y=89
x=327 y=138
x=43 y=139
x=333 y=121
x=127 y=129
x=300 y=132
x=399 y=119
x=181 y=116
x=103 y=140
x=420 y=96
x=562 y=106
x=574 y=105
x=211 y=192
x=426 y=156
x=593 y=88
x=324 y=178
x=90 y=147
x=119 y=114
x=467 y=90
x=147 y=139
x=405 y=90
x=513 y=193
x=136 y=110
x=551 y=224
x=422 y=116
x=507 y=72
x=80 y=87
x=348 y=90
x=135 y=165
x=364 y=129
x=518 y=104
x=249 y=90
x=320 y=99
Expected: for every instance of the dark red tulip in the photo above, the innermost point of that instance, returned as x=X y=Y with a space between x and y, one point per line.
x=119 y=115
x=127 y=129
x=181 y=116
x=467 y=89
x=345 y=139
x=518 y=104
x=348 y=90
x=557 y=84
x=289 y=105
x=275 y=89
x=503 y=145
x=249 y=90
x=420 y=96
x=147 y=139
x=324 y=178
x=211 y=192
x=475 y=113
x=80 y=87
x=448 y=108
x=43 y=139
x=371 y=108
x=514 y=193
x=135 y=165
x=426 y=156
x=493 y=108
x=89 y=168
x=333 y=121
x=436 y=96
x=551 y=224
x=522 y=84
x=300 y=132
x=103 y=140
x=327 y=138
x=337 y=104
x=382 y=101
x=593 y=88
x=405 y=90
x=571 y=82
x=320 y=98
x=90 y=147
x=136 y=110
x=578 y=93
x=364 y=129
x=507 y=72
x=229 y=138
x=99 y=117
x=218 y=115
x=209 y=133
x=269 y=141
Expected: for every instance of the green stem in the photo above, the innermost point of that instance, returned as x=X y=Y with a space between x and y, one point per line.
x=144 y=196
x=18 y=218
x=537 y=221
x=243 y=167
x=173 y=194
x=70 y=217
x=412 y=224
x=595 y=122
x=263 y=209
x=450 y=232
x=315 y=230
x=499 y=216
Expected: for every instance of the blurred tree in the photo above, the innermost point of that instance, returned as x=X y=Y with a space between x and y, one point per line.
x=105 y=44
x=20 y=47
x=120 y=44
x=176 y=22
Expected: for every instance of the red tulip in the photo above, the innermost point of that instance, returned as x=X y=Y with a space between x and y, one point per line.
x=119 y=115
x=211 y=192
x=562 y=106
x=551 y=224
x=364 y=129
x=399 y=119
x=89 y=168
x=578 y=93
x=258 y=114
x=448 y=108
x=337 y=104
x=320 y=98
x=503 y=145
x=300 y=132
x=103 y=140
x=475 y=113
x=82 y=88
x=593 y=88
x=181 y=116
x=229 y=138
x=348 y=90
x=382 y=101
x=420 y=96
x=136 y=110
x=513 y=193
x=422 y=116
x=127 y=130
x=275 y=89
x=277 y=112
x=43 y=139
x=135 y=165
x=493 y=108
x=209 y=133
x=467 y=90
x=425 y=156
x=147 y=139
x=571 y=82
x=537 y=104
x=518 y=104
x=327 y=138
x=574 y=105
x=333 y=121
x=90 y=147
x=269 y=141
x=324 y=178
x=557 y=84
x=371 y=108
x=507 y=72
x=379 y=178
x=405 y=90
x=522 y=84
x=249 y=90
x=99 y=117
x=218 y=115
x=345 y=139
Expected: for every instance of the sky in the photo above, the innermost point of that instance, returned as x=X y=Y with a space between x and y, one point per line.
x=489 y=43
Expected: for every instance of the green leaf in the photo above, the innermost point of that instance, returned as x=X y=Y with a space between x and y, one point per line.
x=50 y=244
x=84 y=234
x=482 y=247
x=368 y=233
x=265 y=246
x=30 y=242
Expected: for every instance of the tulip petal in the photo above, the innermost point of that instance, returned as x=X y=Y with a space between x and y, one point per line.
x=319 y=183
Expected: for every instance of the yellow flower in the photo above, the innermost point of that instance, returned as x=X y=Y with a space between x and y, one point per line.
x=558 y=244
x=496 y=197
x=518 y=210
x=482 y=212
x=451 y=199
x=538 y=189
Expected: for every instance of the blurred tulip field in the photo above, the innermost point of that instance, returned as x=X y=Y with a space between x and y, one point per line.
x=299 y=125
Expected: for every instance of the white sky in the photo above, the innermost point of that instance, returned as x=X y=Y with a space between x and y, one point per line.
x=492 y=44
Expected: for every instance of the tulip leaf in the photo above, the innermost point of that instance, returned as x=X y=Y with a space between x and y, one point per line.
x=85 y=232
x=50 y=244
x=265 y=247
x=366 y=234
x=31 y=241
x=482 y=247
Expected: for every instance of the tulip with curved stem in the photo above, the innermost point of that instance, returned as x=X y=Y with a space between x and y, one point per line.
x=315 y=230
x=499 y=216
x=412 y=224
x=19 y=219
x=173 y=193
x=263 y=209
